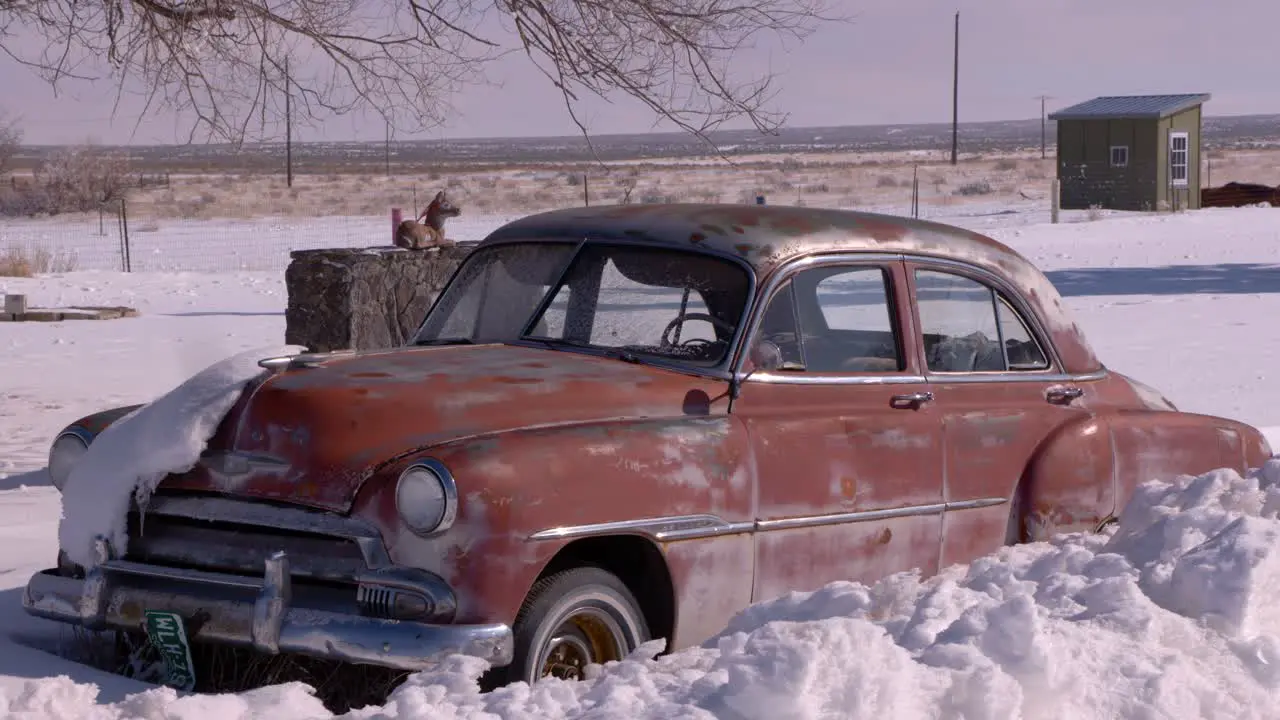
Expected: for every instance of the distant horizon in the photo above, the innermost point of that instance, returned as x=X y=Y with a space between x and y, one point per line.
x=604 y=135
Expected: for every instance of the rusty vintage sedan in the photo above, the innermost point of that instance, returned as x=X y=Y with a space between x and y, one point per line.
x=625 y=423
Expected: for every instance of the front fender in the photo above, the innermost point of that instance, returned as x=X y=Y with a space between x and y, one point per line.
x=515 y=484
x=90 y=426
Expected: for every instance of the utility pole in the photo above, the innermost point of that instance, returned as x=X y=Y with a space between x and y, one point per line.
x=955 y=94
x=288 y=127
x=1042 y=98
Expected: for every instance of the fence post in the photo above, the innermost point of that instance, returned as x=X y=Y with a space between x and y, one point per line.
x=124 y=238
x=1055 y=200
x=396 y=218
x=586 y=192
x=915 y=190
x=415 y=201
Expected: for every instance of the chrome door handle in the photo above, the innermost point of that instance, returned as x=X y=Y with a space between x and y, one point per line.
x=910 y=401
x=1062 y=394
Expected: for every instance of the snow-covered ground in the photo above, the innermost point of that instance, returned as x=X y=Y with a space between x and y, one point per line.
x=1171 y=619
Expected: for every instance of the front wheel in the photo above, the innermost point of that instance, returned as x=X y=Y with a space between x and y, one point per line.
x=572 y=619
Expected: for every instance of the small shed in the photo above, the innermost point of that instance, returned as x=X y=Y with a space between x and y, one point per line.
x=1132 y=152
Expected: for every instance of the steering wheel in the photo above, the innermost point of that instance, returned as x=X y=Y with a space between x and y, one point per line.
x=681 y=319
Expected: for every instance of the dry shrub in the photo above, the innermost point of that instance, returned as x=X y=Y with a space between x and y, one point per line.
x=29 y=262
x=82 y=178
x=1006 y=165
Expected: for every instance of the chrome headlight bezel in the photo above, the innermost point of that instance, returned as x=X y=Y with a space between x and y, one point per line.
x=65 y=451
x=427 y=498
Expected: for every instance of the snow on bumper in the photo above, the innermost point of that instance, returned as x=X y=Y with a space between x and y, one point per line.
x=253 y=612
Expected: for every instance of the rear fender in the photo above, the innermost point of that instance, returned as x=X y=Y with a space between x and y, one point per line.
x=1163 y=445
x=1069 y=484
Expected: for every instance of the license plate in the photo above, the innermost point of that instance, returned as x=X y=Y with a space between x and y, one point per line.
x=168 y=633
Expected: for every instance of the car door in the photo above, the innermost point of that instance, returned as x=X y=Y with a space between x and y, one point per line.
x=845 y=442
x=1001 y=396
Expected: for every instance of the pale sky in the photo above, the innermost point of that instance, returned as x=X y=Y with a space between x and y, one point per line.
x=891 y=65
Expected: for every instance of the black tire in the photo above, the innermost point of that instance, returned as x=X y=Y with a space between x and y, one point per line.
x=580 y=616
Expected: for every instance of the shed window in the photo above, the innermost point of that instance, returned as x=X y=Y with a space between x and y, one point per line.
x=1119 y=156
x=1178 y=144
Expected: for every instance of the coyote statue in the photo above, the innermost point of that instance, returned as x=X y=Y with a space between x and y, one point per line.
x=427 y=230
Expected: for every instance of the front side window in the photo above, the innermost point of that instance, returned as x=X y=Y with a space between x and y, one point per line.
x=495 y=293
x=967 y=326
x=834 y=320
x=657 y=302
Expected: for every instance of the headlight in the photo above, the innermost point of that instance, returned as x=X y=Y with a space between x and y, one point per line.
x=63 y=455
x=427 y=498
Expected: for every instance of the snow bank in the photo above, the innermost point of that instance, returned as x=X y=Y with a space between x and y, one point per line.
x=134 y=454
x=1174 y=616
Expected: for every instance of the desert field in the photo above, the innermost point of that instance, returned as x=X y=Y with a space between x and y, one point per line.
x=226 y=218
x=850 y=180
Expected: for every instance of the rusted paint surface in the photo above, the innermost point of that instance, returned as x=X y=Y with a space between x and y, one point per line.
x=713 y=579
x=517 y=483
x=332 y=425
x=841 y=449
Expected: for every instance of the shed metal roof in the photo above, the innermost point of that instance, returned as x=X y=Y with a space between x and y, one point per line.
x=1130 y=107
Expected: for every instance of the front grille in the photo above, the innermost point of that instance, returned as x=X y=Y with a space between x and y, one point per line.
x=240 y=548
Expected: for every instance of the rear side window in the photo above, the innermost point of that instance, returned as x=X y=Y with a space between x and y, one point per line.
x=968 y=326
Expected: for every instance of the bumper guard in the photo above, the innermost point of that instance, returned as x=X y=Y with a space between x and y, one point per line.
x=251 y=612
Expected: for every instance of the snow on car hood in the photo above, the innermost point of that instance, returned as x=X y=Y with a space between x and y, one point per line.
x=133 y=454
x=312 y=435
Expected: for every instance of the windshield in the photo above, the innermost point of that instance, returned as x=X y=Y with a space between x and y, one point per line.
x=495 y=293
x=661 y=302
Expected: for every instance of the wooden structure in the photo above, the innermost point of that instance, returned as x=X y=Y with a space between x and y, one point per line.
x=1138 y=152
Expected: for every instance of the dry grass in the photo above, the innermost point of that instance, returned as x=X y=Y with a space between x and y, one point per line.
x=813 y=180
x=29 y=262
x=850 y=180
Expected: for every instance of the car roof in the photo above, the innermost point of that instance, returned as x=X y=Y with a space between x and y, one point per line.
x=769 y=236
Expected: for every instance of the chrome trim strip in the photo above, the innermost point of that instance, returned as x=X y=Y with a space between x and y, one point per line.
x=943 y=378
x=692 y=527
x=976 y=504
x=661 y=529
x=784 y=378
x=808 y=521
x=257 y=514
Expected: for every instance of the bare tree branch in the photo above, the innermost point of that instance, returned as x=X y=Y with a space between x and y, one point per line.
x=222 y=62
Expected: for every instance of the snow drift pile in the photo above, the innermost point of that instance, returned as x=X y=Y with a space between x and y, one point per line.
x=1174 y=616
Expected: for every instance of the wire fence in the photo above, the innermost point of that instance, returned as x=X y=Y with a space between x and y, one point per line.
x=227 y=223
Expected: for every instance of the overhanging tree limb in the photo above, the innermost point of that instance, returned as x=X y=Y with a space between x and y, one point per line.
x=220 y=61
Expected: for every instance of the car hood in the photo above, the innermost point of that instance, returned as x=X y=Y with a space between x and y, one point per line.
x=312 y=435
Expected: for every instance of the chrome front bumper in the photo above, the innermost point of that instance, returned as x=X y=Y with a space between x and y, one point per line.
x=252 y=612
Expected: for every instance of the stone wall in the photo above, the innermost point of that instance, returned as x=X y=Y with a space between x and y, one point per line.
x=363 y=298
